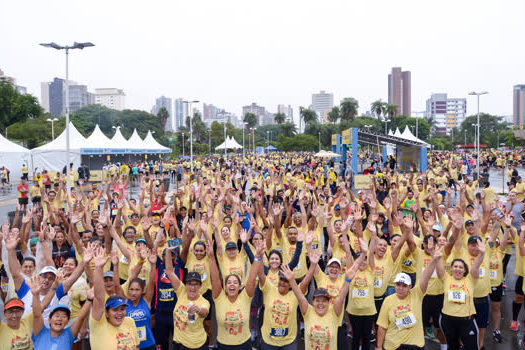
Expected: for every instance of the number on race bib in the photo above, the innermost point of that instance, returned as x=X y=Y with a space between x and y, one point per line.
x=482 y=272
x=359 y=293
x=142 y=333
x=279 y=332
x=456 y=296
x=493 y=275
x=405 y=321
x=378 y=283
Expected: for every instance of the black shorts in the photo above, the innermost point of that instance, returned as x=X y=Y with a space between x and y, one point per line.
x=209 y=296
x=496 y=293
x=4 y=181
x=36 y=199
x=431 y=309
x=482 y=311
x=379 y=302
x=23 y=201
x=247 y=345
x=518 y=288
x=47 y=186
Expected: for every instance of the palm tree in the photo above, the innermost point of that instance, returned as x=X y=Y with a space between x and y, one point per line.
x=279 y=118
x=308 y=115
x=378 y=108
x=349 y=108
x=288 y=129
x=163 y=116
x=334 y=115
x=250 y=119
x=391 y=110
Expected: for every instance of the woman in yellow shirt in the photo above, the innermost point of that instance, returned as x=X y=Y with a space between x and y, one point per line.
x=321 y=319
x=232 y=305
x=400 y=321
x=456 y=320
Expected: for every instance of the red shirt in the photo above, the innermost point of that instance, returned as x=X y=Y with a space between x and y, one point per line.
x=22 y=191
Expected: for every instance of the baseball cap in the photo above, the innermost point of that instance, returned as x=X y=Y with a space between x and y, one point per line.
x=14 y=303
x=468 y=222
x=61 y=307
x=140 y=240
x=334 y=260
x=436 y=227
x=231 y=245
x=108 y=274
x=193 y=276
x=337 y=207
x=473 y=239
x=321 y=292
x=403 y=278
x=115 y=301
x=33 y=241
x=47 y=269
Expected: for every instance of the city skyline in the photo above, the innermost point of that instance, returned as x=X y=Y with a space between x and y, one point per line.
x=145 y=64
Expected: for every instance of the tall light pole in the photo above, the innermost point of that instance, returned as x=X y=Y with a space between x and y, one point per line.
x=478 y=94
x=268 y=139
x=55 y=46
x=465 y=137
x=243 y=127
x=319 y=141
x=386 y=126
x=191 y=130
x=52 y=126
x=225 y=156
x=182 y=144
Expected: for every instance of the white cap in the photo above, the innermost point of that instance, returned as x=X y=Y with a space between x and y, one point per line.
x=437 y=228
x=403 y=278
x=47 y=269
x=334 y=260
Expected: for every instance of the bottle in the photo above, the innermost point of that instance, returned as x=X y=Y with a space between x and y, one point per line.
x=191 y=316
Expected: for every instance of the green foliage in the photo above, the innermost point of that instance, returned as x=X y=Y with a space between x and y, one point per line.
x=391 y=110
x=334 y=114
x=490 y=127
x=288 y=129
x=441 y=143
x=349 y=107
x=163 y=116
x=297 y=143
x=250 y=119
x=308 y=115
x=378 y=108
x=16 y=107
x=279 y=118
x=32 y=132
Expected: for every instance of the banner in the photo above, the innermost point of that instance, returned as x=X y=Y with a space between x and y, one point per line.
x=347 y=136
x=334 y=139
x=362 y=182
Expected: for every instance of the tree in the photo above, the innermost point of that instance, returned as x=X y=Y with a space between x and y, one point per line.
x=298 y=143
x=490 y=127
x=349 y=107
x=163 y=116
x=391 y=111
x=334 y=115
x=279 y=118
x=288 y=129
x=16 y=107
x=250 y=119
x=378 y=108
x=308 y=115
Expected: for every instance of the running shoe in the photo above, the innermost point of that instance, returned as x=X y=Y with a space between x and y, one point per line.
x=373 y=337
x=496 y=335
x=514 y=326
x=429 y=333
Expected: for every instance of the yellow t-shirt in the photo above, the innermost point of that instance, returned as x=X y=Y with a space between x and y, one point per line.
x=518 y=269
x=320 y=332
x=481 y=284
x=191 y=335
x=280 y=316
x=233 y=267
x=402 y=319
x=233 y=319
x=19 y=339
x=202 y=267
x=409 y=260
x=382 y=273
x=361 y=294
x=459 y=296
x=435 y=285
x=323 y=281
x=288 y=252
x=103 y=335
x=495 y=266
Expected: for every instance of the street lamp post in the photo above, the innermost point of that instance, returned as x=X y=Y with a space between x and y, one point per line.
x=465 y=137
x=319 y=141
x=268 y=139
x=191 y=131
x=55 y=46
x=52 y=126
x=182 y=144
x=478 y=94
x=243 y=127
x=386 y=126
x=225 y=156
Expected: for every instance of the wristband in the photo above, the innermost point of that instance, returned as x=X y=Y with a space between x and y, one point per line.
x=258 y=259
x=90 y=300
x=53 y=288
x=142 y=261
x=348 y=280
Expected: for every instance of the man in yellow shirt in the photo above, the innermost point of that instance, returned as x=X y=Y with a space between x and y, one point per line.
x=15 y=333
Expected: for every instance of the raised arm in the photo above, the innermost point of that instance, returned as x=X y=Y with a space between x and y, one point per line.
x=150 y=285
x=290 y=276
x=427 y=273
x=478 y=261
x=11 y=241
x=175 y=281
x=349 y=275
x=38 y=320
x=100 y=260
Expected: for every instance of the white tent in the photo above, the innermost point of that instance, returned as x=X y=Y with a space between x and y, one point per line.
x=52 y=155
x=234 y=144
x=397 y=133
x=390 y=133
x=229 y=143
x=119 y=141
x=97 y=143
x=135 y=143
x=326 y=154
x=407 y=134
x=13 y=156
x=153 y=146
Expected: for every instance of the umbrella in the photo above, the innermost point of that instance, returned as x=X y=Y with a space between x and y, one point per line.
x=326 y=154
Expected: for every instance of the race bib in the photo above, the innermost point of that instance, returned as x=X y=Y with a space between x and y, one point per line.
x=378 y=283
x=124 y=260
x=493 y=275
x=359 y=293
x=203 y=276
x=482 y=272
x=142 y=333
x=457 y=296
x=278 y=332
x=114 y=212
x=405 y=321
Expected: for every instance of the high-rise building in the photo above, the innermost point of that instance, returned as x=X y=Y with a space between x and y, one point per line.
x=19 y=89
x=53 y=95
x=400 y=91
x=259 y=111
x=322 y=102
x=181 y=112
x=447 y=112
x=166 y=103
x=209 y=111
x=518 y=96
x=111 y=98
x=287 y=111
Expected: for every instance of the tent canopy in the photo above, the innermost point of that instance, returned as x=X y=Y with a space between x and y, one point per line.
x=152 y=145
x=12 y=156
x=271 y=148
x=229 y=143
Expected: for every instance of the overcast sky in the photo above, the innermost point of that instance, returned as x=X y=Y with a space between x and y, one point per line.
x=232 y=53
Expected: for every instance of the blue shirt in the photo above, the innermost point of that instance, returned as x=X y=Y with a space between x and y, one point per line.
x=45 y=341
x=165 y=297
x=141 y=315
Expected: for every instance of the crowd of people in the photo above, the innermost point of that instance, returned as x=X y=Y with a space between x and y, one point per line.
x=271 y=252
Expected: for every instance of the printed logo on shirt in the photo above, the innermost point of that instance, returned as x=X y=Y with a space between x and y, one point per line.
x=19 y=342
x=280 y=312
x=233 y=322
x=125 y=341
x=319 y=337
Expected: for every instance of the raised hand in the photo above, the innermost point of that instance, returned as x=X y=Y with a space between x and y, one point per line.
x=260 y=248
x=244 y=236
x=146 y=224
x=387 y=203
x=114 y=257
x=309 y=238
x=35 y=285
x=100 y=258
x=11 y=240
x=209 y=248
x=438 y=253
x=287 y=272
x=314 y=255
